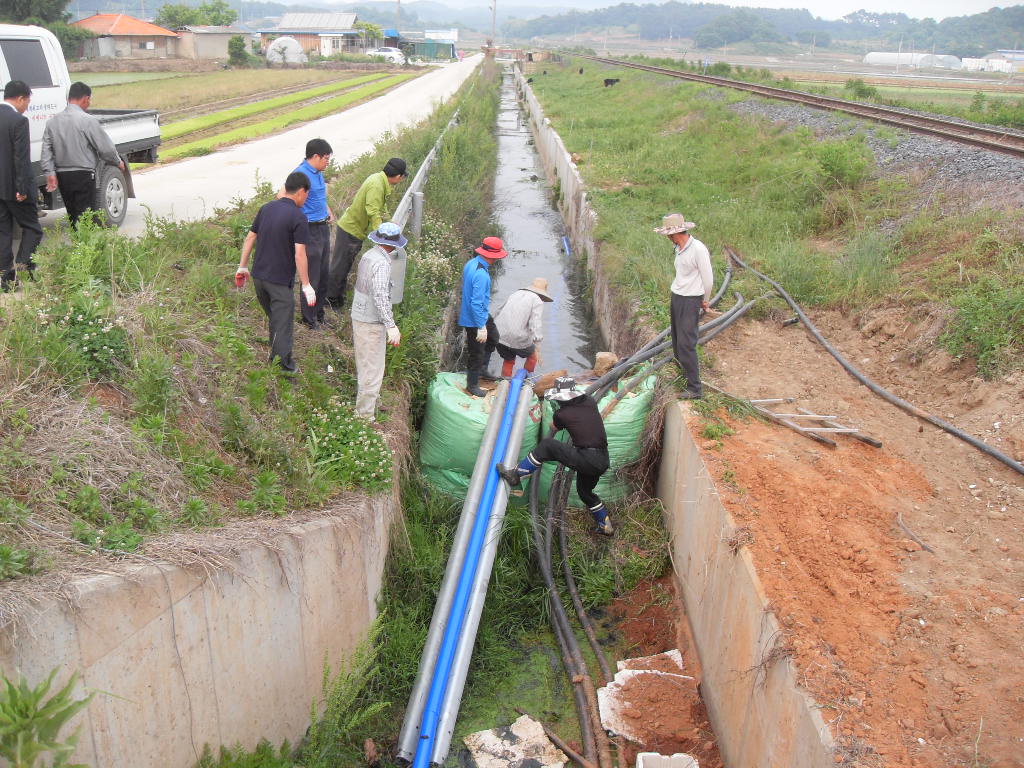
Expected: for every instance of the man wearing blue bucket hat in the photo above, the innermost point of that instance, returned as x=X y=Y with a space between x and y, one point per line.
x=373 y=324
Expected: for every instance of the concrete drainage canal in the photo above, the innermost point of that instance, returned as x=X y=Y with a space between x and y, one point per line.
x=571 y=693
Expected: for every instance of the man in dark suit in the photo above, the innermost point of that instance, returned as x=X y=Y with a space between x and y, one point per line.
x=17 y=185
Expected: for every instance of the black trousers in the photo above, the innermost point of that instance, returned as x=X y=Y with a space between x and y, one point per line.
x=318 y=258
x=588 y=463
x=25 y=215
x=346 y=248
x=78 y=188
x=480 y=354
x=685 y=318
x=278 y=302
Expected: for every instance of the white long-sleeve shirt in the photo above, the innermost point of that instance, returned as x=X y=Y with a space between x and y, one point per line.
x=693 y=270
x=519 y=321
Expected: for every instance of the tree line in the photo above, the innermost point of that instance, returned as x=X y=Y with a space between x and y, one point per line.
x=711 y=25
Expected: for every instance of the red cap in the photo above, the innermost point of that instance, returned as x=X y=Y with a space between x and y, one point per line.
x=492 y=248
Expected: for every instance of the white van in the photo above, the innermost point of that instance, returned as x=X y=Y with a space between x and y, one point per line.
x=34 y=55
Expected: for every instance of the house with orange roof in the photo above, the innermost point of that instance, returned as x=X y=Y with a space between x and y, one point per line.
x=125 y=37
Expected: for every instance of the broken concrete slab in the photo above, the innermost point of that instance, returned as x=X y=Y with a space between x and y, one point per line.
x=520 y=745
x=669 y=661
x=645 y=700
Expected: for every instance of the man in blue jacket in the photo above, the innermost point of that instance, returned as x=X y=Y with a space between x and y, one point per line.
x=475 y=314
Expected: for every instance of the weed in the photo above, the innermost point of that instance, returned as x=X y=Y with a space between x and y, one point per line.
x=716 y=430
x=348 y=448
x=195 y=513
x=32 y=721
x=154 y=386
x=16 y=562
x=88 y=505
x=82 y=339
x=266 y=498
x=264 y=756
x=989 y=324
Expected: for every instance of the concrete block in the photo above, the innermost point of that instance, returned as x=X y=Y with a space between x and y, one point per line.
x=654 y=760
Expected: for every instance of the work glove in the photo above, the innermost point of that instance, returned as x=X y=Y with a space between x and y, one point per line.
x=310 y=294
x=394 y=336
x=481 y=335
x=241 y=275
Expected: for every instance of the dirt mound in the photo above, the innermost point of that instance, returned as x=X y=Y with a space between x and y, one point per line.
x=912 y=655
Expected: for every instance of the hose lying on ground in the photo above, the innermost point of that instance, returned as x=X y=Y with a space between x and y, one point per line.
x=885 y=394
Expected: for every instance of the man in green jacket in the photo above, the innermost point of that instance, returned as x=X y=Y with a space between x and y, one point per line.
x=365 y=215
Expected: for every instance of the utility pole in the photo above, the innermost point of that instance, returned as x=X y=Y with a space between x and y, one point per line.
x=494 y=23
x=398 y=21
x=899 y=53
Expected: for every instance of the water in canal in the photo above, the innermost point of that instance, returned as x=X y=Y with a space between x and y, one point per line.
x=533 y=233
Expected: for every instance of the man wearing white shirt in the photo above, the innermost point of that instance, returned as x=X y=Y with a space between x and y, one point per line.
x=519 y=323
x=691 y=291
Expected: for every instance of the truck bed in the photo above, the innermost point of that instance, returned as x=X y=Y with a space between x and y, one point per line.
x=135 y=132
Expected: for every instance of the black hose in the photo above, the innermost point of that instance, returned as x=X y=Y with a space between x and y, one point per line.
x=724 y=286
x=885 y=394
x=560 y=625
x=725 y=316
x=577 y=602
x=732 y=319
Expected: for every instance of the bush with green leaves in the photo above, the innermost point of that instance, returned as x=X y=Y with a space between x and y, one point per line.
x=267 y=496
x=31 y=721
x=83 y=338
x=153 y=384
x=348 y=448
x=988 y=324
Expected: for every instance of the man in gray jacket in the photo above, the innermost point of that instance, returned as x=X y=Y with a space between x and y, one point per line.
x=373 y=324
x=74 y=147
x=520 y=328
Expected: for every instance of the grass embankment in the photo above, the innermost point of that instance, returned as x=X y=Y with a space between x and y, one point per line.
x=809 y=211
x=137 y=399
x=290 y=117
x=185 y=89
x=205 y=122
x=103 y=79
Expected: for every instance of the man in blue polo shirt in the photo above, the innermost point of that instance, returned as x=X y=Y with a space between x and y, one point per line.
x=282 y=232
x=475 y=311
x=319 y=215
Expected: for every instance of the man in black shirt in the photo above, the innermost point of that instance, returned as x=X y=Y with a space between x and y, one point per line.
x=283 y=232
x=587 y=455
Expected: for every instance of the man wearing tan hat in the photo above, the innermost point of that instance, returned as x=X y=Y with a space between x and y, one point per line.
x=519 y=323
x=691 y=290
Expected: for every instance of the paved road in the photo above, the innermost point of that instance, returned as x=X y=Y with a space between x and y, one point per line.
x=192 y=189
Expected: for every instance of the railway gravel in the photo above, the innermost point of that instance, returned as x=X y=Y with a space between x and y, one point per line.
x=960 y=164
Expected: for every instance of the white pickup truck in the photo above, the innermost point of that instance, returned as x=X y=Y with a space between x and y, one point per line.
x=34 y=55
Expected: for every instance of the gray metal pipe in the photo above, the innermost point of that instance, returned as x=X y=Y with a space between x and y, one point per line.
x=464 y=650
x=417 y=214
x=414 y=712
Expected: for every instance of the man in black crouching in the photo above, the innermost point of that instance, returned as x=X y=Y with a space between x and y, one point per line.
x=587 y=455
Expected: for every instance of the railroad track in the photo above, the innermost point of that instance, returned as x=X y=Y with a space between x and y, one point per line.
x=994 y=139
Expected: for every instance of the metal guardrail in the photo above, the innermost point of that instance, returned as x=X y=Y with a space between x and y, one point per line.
x=411 y=208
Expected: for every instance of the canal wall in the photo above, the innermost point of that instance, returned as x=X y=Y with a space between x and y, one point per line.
x=759 y=713
x=180 y=657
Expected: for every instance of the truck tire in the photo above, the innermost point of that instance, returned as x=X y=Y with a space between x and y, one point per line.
x=111 y=196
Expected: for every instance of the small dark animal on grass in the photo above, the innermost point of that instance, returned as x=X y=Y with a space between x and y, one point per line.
x=529 y=79
x=581 y=70
x=544 y=72
x=610 y=81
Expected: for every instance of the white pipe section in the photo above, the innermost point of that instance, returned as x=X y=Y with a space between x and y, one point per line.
x=414 y=712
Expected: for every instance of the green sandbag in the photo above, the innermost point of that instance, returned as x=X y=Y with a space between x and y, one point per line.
x=624 y=426
x=453 y=429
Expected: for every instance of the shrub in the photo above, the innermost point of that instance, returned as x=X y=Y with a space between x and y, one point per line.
x=154 y=386
x=858 y=89
x=844 y=163
x=16 y=562
x=989 y=324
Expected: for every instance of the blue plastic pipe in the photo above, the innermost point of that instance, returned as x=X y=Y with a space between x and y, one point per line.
x=456 y=618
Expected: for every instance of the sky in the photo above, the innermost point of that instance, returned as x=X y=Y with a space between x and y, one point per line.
x=916 y=9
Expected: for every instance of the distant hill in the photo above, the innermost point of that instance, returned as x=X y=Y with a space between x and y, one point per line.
x=713 y=24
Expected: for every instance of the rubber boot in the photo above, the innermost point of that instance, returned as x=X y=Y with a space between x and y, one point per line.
x=472 y=380
x=531 y=363
x=507 y=367
x=602 y=521
x=514 y=475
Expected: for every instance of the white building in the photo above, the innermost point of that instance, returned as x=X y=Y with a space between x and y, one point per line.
x=912 y=60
